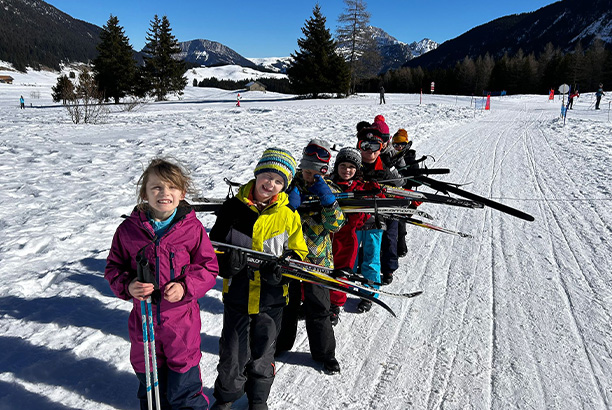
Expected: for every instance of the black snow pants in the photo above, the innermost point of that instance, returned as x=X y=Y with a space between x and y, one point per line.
x=388 y=252
x=246 y=355
x=320 y=332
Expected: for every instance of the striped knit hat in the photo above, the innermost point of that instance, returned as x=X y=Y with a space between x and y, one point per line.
x=279 y=161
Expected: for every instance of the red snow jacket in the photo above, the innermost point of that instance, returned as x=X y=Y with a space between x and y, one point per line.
x=344 y=245
x=183 y=254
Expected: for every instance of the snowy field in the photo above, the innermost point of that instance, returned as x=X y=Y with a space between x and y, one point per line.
x=518 y=317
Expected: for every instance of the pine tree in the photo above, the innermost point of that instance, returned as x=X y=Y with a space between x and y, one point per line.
x=317 y=68
x=114 y=67
x=63 y=90
x=162 y=72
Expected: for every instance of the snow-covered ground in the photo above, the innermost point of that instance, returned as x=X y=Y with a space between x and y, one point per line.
x=520 y=316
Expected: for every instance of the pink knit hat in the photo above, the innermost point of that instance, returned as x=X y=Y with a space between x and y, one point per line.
x=381 y=125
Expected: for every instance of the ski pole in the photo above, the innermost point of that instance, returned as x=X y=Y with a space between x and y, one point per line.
x=145 y=340
x=146 y=310
x=153 y=353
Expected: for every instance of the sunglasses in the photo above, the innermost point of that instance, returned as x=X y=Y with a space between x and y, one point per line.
x=368 y=145
x=315 y=150
x=399 y=145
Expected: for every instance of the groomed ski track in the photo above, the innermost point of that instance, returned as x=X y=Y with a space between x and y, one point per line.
x=518 y=317
x=511 y=319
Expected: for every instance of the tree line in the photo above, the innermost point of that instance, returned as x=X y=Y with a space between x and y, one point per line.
x=117 y=74
x=324 y=65
x=583 y=69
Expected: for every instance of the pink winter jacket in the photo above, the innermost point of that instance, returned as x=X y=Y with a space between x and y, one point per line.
x=183 y=254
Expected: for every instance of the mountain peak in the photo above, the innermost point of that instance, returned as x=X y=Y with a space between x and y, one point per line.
x=209 y=53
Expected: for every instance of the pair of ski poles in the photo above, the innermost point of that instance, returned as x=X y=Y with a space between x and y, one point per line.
x=148 y=335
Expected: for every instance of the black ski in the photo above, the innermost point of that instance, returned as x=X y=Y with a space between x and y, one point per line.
x=320 y=272
x=445 y=187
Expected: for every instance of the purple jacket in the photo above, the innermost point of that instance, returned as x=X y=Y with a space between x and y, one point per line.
x=183 y=254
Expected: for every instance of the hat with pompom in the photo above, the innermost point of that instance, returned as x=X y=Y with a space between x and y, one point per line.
x=400 y=136
x=279 y=161
x=381 y=125
x=348 y=154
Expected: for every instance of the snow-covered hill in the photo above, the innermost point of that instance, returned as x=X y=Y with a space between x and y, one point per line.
x=279 y=64
x=228 y=72
x=516 y=317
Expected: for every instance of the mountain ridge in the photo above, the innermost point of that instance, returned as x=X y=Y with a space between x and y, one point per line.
x=563 y=24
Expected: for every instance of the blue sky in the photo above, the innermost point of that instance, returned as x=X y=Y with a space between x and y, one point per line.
x=271 y=28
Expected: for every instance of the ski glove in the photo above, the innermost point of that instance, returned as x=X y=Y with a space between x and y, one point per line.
x=342 y=273
x=270 y=272
x=323 y=191
x=295 y=199
x=231 y=262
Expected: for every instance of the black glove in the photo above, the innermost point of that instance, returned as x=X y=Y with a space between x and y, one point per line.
x=342 y=273
x=270 y=272
x=231 y=262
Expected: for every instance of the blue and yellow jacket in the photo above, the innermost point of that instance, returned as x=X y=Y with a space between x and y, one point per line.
x=277 y=229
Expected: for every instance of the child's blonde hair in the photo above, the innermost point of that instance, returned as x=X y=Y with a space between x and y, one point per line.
x=167 y=171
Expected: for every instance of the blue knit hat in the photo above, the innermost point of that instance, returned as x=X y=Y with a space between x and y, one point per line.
x=279 y=161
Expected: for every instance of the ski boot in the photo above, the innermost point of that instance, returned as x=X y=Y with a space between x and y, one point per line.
x=334 y=316
x=364 y=306
x=387 y=278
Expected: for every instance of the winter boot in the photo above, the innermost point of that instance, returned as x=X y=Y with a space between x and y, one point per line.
x=334 y=316
x=331 y=366
x=221 y=406
x=364 y=306
x=387 y=278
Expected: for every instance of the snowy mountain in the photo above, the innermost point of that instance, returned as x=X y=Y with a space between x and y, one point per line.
x=209 y=53
x=278 y=64
x=564 y=24
x=34 y=33
x=396 y=53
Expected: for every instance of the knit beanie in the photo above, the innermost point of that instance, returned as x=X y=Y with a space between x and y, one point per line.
x=381 y=125
x=369 y=133
x=400 y=136
x=312 y=162
x=363 y=124
x=279 y=161
x=348 y=154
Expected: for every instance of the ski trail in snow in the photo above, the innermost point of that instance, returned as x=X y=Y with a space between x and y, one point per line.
x=563 y=250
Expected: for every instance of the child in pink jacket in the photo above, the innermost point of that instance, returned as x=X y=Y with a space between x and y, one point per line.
x=166 y=231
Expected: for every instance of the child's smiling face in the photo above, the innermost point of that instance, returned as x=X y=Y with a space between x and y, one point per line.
x=163 y=197
x=267 y=185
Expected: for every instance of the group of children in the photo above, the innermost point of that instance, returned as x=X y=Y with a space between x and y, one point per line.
x=261 y=306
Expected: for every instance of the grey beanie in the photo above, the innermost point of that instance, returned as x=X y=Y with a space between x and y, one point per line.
x=348 y=154
x=312 y=162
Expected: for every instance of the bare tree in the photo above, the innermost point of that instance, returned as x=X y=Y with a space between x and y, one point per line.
x=355 y=41
x=85 y=105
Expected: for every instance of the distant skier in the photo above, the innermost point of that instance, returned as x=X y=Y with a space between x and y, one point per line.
x=382 y=95
x=599 y=94
x=238 y=100
x=570 y=101
x=21 y=102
